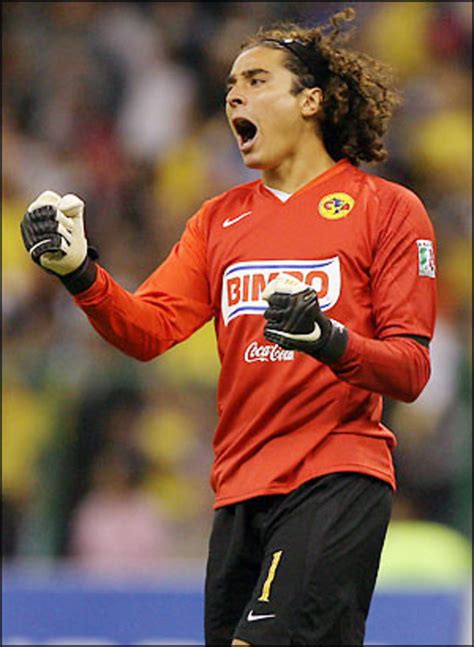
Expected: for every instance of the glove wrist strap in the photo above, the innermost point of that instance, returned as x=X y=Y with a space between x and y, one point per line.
x=82 y=278
x=335 y=344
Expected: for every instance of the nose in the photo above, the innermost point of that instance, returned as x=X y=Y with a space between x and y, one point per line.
x=235 y=98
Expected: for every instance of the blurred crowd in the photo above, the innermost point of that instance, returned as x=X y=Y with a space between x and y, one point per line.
x=106 y=460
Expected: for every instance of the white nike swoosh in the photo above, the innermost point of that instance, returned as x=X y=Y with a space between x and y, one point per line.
x=252 y=617
x=308 y=337
x=41 y=242
x=230 y=221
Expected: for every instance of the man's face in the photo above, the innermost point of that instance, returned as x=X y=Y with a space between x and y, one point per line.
x=264 y=116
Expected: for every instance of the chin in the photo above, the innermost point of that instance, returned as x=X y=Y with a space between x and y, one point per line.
x=255 y=162
x=253 y=165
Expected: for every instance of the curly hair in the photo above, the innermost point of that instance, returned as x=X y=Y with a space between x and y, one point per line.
x=359 y=97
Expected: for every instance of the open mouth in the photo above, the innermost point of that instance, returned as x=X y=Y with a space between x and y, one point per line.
x=246 y=130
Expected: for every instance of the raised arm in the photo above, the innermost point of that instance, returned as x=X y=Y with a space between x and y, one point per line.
x=166 y=309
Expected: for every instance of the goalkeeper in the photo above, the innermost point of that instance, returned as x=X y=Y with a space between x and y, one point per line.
x=320 y=279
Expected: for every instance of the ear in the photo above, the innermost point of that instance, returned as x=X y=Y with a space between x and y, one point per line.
x=311 y=100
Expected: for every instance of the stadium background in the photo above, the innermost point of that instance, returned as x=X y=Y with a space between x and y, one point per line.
x=105 y=461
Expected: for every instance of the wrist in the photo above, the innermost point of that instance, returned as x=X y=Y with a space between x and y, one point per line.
x=333 y=342
x=81 y=278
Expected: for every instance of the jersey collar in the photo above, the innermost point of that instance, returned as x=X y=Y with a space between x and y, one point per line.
x=339 y=167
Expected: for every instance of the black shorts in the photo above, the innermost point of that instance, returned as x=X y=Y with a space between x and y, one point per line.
x=300 y=568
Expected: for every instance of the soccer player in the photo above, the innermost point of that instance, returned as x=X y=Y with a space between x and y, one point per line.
x=320 y=279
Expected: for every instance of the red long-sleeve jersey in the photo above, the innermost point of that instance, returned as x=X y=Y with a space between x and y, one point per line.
x=367 y=247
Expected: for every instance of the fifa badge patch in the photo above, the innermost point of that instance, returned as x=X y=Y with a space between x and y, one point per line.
x=426 y=258
x=336 y=205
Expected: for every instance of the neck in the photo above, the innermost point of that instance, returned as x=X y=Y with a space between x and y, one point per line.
x=308 y=161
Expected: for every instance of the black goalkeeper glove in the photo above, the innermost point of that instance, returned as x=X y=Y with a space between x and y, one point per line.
x=295 y=321
x=53 y=233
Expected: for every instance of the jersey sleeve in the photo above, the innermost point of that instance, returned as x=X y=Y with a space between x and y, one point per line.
x=166 y=309
x=403 y=271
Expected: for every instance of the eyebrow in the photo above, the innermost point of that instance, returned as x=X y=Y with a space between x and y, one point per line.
x=247 y=74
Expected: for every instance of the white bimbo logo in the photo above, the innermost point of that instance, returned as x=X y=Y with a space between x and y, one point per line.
x=243 y=283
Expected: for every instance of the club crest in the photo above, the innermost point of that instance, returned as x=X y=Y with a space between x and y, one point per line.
x=336 y=205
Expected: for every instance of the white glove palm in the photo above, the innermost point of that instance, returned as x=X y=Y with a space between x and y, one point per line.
x=70 y=219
